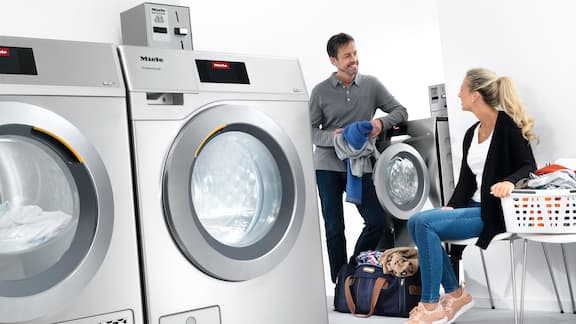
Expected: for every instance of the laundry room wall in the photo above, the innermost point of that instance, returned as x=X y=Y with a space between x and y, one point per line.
x=532 y=42
x=88 y=20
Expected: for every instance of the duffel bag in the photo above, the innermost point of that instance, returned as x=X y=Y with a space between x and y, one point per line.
x=365 y=290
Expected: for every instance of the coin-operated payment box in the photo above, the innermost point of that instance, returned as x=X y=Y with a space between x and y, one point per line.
x=157 y=25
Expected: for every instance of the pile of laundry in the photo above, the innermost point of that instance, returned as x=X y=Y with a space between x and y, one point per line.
x=26 y=227
x=399 y=261
x=552 y=176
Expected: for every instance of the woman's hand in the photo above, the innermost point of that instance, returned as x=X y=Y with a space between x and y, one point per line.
x=502 y=189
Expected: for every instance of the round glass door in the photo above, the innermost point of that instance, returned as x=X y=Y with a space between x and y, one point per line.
x=38 y=207
x=233 y=191
x=401 y=180
x=56 y=212
x=48 y=210
x=236 y=189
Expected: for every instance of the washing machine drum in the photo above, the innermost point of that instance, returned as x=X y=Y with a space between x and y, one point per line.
x=238 y=211
x=401 y=180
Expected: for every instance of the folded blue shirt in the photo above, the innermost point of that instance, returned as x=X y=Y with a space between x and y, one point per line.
x=356 y=134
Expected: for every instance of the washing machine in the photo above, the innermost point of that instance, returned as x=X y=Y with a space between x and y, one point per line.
x=414 y=171
x=68 y=249
x=226 y=188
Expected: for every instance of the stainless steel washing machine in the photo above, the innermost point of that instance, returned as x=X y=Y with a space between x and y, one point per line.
x=415 y=171
x=68 y=249
x=226 y=190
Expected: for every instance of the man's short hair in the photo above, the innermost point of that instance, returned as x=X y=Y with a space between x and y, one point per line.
x=335 y=42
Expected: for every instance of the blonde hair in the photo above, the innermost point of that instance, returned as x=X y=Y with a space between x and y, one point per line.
x=501 y=91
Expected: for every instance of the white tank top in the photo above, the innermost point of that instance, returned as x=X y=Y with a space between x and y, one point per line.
x=477 y=158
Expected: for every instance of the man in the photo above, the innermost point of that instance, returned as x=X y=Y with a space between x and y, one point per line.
x=344 y=98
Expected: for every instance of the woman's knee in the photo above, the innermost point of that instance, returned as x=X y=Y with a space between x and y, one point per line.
x=422 y=220
x=416 y=220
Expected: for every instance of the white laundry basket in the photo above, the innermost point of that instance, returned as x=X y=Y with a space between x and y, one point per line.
x=540 y=211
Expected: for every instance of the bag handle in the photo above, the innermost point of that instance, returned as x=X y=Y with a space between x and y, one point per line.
x=380 y=282
x=347 y=283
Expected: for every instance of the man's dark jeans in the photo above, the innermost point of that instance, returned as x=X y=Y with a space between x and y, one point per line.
x=377 y=222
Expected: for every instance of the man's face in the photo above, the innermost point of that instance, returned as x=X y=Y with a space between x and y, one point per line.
x=346 y=60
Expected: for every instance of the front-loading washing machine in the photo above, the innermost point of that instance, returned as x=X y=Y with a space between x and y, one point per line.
x=414 y=171
x=68 y=249
x=226 y=190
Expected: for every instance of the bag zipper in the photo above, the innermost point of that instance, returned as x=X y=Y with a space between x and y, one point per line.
x=402 y=296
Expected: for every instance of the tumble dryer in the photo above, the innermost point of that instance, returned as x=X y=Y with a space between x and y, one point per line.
x=415 y=171
x=226 y=191
x=68 y=249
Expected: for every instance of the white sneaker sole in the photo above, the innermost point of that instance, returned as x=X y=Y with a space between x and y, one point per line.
x=462 y=310
x=442 y=321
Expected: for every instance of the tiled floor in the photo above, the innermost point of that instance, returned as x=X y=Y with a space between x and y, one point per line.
x=474 y=316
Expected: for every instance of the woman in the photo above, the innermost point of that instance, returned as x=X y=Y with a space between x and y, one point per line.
x=496 y=154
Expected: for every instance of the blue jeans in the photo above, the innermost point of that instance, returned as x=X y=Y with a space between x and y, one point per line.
x=377 y=223
x=428 y=229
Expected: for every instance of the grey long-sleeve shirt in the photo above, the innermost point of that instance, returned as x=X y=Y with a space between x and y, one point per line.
x=333 y=106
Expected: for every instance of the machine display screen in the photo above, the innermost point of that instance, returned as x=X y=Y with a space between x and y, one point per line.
x=222 y=72
x=17 y=60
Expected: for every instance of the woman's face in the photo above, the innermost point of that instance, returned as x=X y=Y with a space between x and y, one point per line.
x=467 y=97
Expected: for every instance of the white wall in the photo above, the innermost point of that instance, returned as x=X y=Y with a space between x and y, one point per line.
x=93 y=20
x=398 y=42
x=532 y=42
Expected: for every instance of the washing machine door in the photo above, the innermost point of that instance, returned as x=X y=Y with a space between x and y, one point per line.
x=233 y=191
x=401 y=180
x=56 y=212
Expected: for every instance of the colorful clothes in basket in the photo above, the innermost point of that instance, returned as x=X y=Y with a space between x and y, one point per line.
x=369 y=257
x=561 y=179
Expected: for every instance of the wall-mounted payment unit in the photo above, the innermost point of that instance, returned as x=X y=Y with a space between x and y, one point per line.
x=437 y=95
x=157 y=25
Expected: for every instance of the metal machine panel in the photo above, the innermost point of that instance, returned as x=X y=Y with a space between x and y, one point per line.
x=85 y=69
x=146 y=69
x=157 y=25
x=445 y=165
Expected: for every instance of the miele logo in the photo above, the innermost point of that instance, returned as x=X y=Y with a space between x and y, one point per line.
x=158 y=10
x=4 y=51
x=220 y=65
x=151 y=59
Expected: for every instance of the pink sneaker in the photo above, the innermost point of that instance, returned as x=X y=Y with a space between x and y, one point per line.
x=454 y=307
x=420 y=315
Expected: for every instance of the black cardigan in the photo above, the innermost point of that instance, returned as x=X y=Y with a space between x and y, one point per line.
x=509 y=158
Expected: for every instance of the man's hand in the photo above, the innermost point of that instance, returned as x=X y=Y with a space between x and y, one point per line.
x=337 y=131
x=376 y=128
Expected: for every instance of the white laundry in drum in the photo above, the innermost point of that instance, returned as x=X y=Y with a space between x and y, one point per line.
x=403 y=183
x=27 y=227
